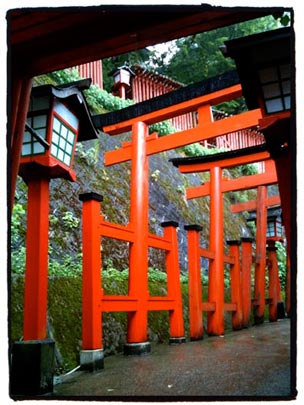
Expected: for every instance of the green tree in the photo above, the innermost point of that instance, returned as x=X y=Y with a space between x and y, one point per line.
x=199 y=57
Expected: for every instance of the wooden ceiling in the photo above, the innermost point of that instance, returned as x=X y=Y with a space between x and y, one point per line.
x=41 y=40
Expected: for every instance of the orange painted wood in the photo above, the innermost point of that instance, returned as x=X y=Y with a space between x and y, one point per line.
x=204 y=131
x=229 y=259
x=225 y=163
x=246 y=247
x=91 y=277
x=195 y=285
x=230 y=307
x=116 y=231
x=176 y=319
x=150 y=137
x=252 y=205
x=241 y=183
x=138 y=274
x=206 y=253
x=36 y=268
x=159 y=242
x=162 y=304
x=21 y=92
x=208 y=306
x=118 y=303
x=177 y=109
x=236 y=295
x=215 y=324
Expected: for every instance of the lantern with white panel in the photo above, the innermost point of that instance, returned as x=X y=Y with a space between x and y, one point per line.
x=58 y=117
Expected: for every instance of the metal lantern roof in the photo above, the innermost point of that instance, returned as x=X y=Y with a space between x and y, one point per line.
x=73 y=96
x=272 y=213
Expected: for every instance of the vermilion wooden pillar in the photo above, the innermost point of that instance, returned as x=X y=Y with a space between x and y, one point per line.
x=91 y=355
x=195 y=287
x=246 y=246
x=260 y=259
x=235 y=275
x=177 y=332
x=138 y=276
x=91 y=272
x=216 y=267
x=36 y=270
x=21 y=91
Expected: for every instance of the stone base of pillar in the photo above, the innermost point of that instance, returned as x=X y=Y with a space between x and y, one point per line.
x=131 y=349
x=281 y=310
x=91 y=360
x=32 y=367
x=177 y=340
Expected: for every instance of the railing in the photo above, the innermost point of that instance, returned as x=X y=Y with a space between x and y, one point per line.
x=240 y=283
x=138 y=301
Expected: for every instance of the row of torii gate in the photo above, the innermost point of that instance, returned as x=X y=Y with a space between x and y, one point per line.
x=138 y=301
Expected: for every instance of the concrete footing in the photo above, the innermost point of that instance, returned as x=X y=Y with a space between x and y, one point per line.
x=91 y=360
x=32 y=367
x=177 y=340
x=141 y=348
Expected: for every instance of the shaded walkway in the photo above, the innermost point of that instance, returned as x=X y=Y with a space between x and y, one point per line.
x=253 y=362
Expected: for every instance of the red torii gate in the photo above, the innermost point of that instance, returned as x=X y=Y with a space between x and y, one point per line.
x=215 y=188
x=260 y=205
x=137 y=150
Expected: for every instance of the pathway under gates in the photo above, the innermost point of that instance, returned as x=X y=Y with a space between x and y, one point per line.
x=252 y=363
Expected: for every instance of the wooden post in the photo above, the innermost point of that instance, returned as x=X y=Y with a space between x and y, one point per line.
x=138 y=277
x=216 y=267
x=235 y=274
x=21 y=92
x=195 y=285
x=91 y=355
x=36 y=269
x=246 y=279
x=260 y=259
x=177 y=333
x=91 y=272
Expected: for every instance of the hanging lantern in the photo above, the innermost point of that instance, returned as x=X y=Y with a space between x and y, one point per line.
x=58 y=117
x=263 y=64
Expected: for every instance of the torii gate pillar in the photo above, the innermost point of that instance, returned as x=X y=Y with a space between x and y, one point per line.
x=216 y=268
x=138 y=278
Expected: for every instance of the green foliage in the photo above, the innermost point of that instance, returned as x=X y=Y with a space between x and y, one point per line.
x=162 y=128
x=18 y=260
x=198 y=56
x=17 y=226
x=18 y=239
x=101 y=101
x=70 y=221
x=70 y=266
x=196 y=149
